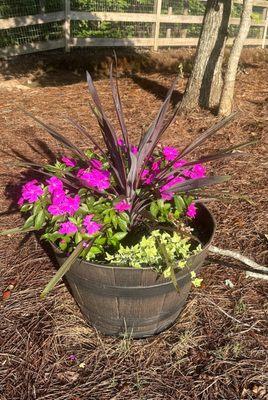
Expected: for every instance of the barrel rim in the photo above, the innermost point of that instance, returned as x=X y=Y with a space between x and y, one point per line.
x=119 y=267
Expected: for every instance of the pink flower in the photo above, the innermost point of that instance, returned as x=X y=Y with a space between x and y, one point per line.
x=156 y=166
x=122 y=206
x=179 y=163
x=191 y=210
x=146 y=177
x=68 y=228
x=187 y=173
x=96 y=163
x=95 y=178
x=30 y=192
x=91 y=226
x=69 y=162
x=168 y=195
x=72 y=204
x=134 y=149
x=198 y=171
x=144 y=174
x=61 y=204
x=54 y=185
x=121 y=142
x=170 y=153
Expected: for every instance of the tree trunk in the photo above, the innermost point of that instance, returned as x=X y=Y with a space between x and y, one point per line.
x=227 y=97
x=205 y=84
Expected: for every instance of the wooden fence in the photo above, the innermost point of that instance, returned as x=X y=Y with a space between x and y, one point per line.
x=156 y=19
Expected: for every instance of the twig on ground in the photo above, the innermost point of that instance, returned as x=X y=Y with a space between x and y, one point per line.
x=229 y=315
x=262 y=271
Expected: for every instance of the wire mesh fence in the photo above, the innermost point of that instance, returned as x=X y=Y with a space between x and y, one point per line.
x=19 y=8
x=31 y=34
x=106 y=29
x=97 y=24
x=138 y=6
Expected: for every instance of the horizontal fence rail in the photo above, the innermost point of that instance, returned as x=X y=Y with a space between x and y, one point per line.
x=154 y=24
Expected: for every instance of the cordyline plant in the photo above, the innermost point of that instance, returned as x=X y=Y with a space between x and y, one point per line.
x=86 y=205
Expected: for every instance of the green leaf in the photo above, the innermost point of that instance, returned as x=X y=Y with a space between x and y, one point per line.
x=95 y=250
x=107 y=219
x=26 y=207
x=63 y=245
x=169 y=263
x=160 y=203
x=119 y=235
x=63 y=269
x=29 y=222
x=196 y=281
x=40 y=219
x=179 y=203
x=78 y=237
x=100 y=240
x=114 y=221
x=52 y=237
x=37 y=208
x=16 y=230
x=84 y=208
x=154 y=209
x=122 y=224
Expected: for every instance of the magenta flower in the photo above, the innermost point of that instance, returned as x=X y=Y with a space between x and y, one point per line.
x=121 y=142
x=54 y=184
x=30 y=192
x=166 y=195
x=61 y=204
x=144 y=174
x=122 y=206
x=146 y=177
x=170 y=153
x=187 y=173
x=134 y=149
x=69 y=162
x=179 y=163
x=191 y=210
x=95 y=178
x=91 y=226
x=72 y=357
x=198 y=171
x=72 y=204
x=156 y=166
x=68 y=228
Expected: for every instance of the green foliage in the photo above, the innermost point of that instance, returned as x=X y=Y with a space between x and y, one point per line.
x=164 y=211
x=146 y=253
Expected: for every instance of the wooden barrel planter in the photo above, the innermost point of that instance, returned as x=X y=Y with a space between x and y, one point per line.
x=119 y=300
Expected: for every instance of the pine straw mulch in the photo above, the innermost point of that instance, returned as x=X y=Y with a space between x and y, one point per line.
x=218 y=347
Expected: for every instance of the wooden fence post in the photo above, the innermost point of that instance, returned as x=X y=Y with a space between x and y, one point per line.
x=265 y=29
x=67 y=25
x=42 y=6
x=183 y=31
x=168 y=33
x=158 y=7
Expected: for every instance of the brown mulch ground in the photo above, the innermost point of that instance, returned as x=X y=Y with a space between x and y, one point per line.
x=218 y=347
